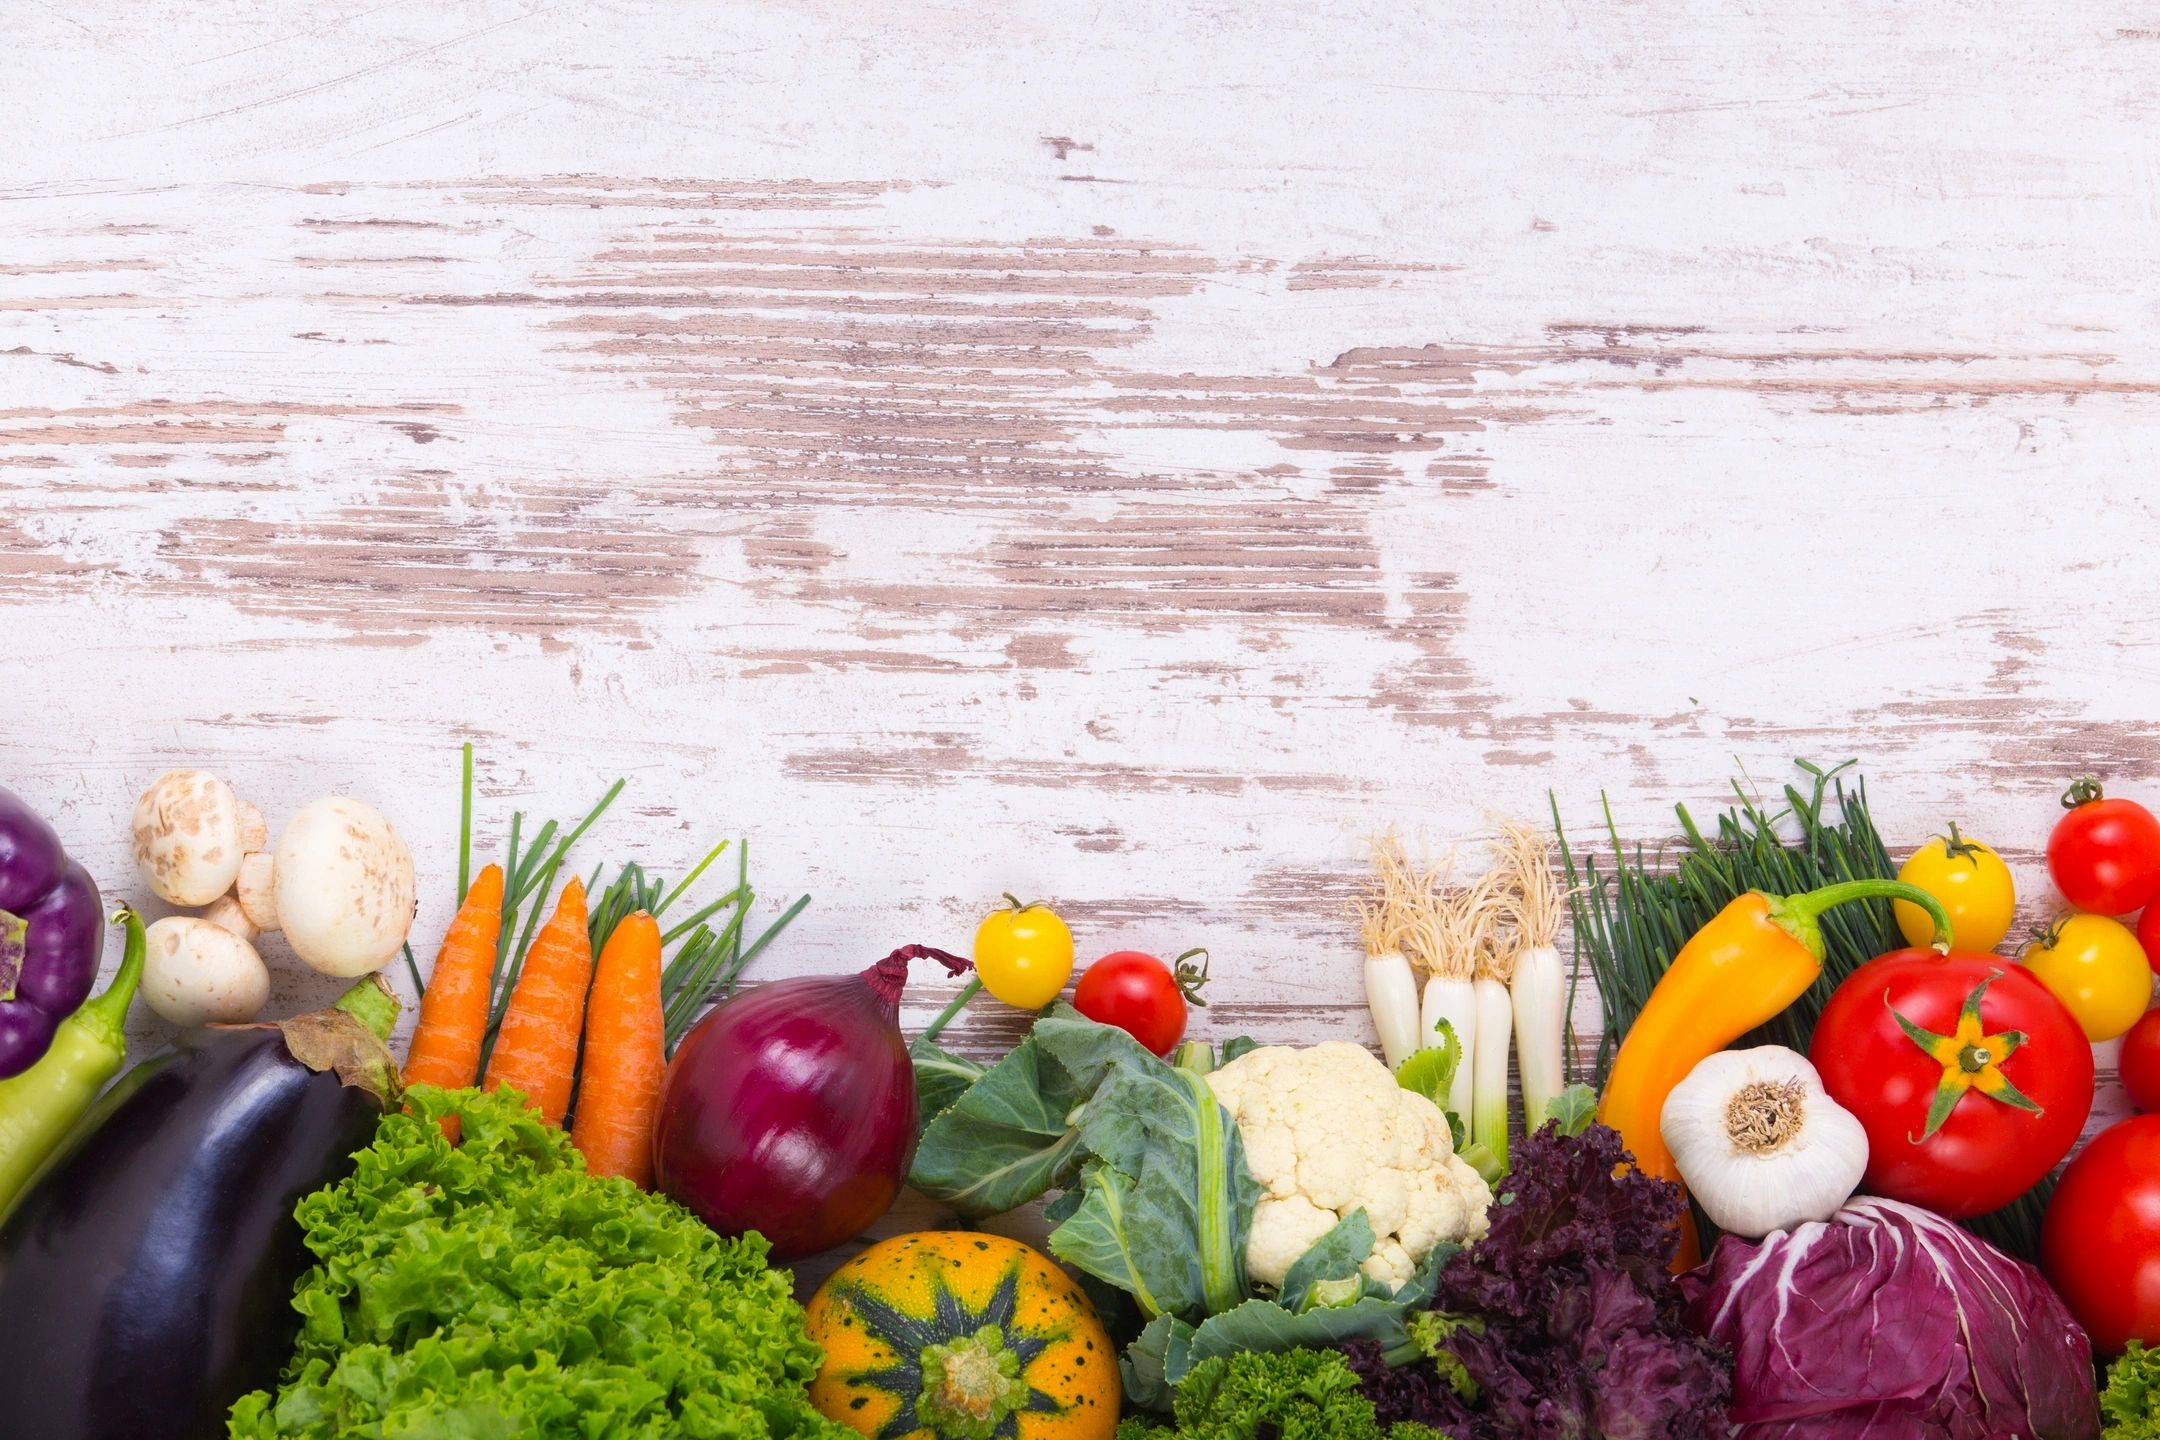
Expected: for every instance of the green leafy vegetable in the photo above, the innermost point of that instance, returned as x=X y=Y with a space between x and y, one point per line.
x=1168 y=1348
x=1314 y=1278
x=1167 y=1200
x=1013 y=1135
x=493 y=1289
x=1573 y=1109
x=941 y=1078
x=2131 y=1402
x=1287 y=1395
x=1431 y=1070
x=1157 y=1200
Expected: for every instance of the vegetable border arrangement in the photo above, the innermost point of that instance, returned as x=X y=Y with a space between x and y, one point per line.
x=1826 y=1172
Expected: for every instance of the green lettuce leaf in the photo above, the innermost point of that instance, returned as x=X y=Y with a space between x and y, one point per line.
x=2130 y=1405
x=493 y=1289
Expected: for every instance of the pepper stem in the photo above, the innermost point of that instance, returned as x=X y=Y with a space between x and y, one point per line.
x=1800 y=916
x=107 y=1011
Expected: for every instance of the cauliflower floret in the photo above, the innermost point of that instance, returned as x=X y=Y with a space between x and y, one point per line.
x=1328 y=1131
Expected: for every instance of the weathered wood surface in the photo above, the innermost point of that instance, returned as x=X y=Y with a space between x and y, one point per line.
x=1108 y=454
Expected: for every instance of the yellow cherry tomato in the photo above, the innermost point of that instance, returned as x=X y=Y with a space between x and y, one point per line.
x=1973 y=884
x=2096 y=967
x=1023 y=954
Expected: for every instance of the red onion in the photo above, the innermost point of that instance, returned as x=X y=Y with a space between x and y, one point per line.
x=790 y=1109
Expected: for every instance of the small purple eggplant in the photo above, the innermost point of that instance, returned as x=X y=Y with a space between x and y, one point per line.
x=52 y=935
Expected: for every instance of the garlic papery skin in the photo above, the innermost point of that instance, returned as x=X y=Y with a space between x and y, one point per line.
x=1760 y=1143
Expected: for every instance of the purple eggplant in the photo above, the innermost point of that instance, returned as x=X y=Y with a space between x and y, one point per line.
x=52 y=935
x=146 y=1277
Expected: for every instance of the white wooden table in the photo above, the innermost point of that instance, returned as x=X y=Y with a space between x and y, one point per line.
x=1116 y=455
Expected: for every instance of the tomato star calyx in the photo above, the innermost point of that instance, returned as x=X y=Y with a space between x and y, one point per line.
x=2083 y=791
x=1971 y=1059
x=1191 y=977
x=1957 y=847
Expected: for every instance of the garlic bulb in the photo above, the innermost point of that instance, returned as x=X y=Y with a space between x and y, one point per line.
x=1761 y=1143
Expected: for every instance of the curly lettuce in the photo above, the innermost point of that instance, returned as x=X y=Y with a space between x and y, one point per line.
x=2130 y=1405
x=494 y=1289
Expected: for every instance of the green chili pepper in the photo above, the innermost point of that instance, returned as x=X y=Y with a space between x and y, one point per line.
x=40 y=1106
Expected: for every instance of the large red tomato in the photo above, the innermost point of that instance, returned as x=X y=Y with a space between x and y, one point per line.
x=2100 y=1243
x=1962 y=1116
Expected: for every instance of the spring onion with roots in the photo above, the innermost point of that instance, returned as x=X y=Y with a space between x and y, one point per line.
x=1383 y=914
x=1538 y=989
x=1495 y=1012
x=1445 y=943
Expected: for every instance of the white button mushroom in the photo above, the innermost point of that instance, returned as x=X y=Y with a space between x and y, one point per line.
x=340 y=886
x=195 y=972
x=190 y=834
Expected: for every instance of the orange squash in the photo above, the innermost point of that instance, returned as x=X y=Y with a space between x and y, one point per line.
x=955 y=1335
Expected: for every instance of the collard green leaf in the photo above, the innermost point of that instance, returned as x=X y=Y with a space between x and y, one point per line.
x=1266 y=1326
x=1156 y=1361
x=1011 y=1135
x=941 y=1078
x=1426 y=1280
x=1333 y=1258
x=1168 y=1198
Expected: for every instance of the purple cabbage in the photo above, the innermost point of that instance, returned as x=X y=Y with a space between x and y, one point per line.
x=1889 y=1321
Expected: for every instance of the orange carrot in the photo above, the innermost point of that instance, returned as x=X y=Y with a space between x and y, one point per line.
x=454 y=1007
x=619 y=1095
x=536 y=1049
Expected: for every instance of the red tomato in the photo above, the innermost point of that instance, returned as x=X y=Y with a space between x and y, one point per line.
x=2022 y=1104
x=2100 y=1242
x=2104 y=854
x=1141 y=996
x=2140 y=1062
x=2148 y=933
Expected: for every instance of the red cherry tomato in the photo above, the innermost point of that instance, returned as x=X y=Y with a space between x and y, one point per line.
x=2014 y=1107
x=2100 y=1242
x=1142 y=996
x=2140 y=1062
x=2148 y=933
x=2104 y=854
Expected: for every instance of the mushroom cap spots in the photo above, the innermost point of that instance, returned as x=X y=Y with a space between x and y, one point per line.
x=188 y=831
x=195 y=972
x=344 y=884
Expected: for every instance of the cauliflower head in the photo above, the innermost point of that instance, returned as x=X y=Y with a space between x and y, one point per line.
x=1327 y=1131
